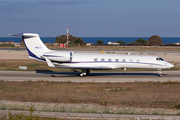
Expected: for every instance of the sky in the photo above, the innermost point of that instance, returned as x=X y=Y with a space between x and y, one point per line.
x=91 y=18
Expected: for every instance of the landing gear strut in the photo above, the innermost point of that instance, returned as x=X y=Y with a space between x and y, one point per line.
x=84 y=72
x=160 y=73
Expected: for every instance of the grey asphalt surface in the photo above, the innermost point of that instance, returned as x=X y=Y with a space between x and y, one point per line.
x=96 y=115
x=142 y=76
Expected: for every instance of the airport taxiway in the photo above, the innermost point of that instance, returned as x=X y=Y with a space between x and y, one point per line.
x=129 y=76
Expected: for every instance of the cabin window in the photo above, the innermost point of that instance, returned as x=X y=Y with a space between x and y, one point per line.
x=117 y=60
x=137 y=60
x=123 y=60
x=130 y=60
x=95 y=59
x=102 y=59
x=159 y=59
x=109 y=60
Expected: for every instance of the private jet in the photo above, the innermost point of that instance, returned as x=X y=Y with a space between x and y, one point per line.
x=87 y=61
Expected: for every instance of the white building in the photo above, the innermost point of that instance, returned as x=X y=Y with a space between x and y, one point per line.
x=177 y=43
x=113 y=43
x=89 y=44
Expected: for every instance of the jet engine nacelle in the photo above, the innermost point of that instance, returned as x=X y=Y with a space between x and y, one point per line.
x=58 y=56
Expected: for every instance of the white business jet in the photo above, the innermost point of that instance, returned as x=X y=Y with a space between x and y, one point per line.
x=68 y=59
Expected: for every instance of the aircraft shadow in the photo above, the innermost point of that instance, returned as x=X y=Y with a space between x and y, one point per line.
x=121 y=74
x=60 y=74
x=53 y=72
x=74 y=74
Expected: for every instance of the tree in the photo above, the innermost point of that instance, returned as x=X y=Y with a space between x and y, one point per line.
x=100 y=42
x=132 y=43
x=22 y=42
x=72 y=40
x=121 y=42
x=78 y=41
x=154 y=40
x=141 y=41
x=61 y=39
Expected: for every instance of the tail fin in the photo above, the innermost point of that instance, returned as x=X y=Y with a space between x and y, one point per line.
x=34 y=45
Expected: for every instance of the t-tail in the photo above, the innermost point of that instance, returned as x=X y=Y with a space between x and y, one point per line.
x=34 y=45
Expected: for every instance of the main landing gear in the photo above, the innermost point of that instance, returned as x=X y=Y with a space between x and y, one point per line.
x=84 y=72
x=160 y=73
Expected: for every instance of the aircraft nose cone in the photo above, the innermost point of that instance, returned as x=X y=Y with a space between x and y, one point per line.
x=171 y=65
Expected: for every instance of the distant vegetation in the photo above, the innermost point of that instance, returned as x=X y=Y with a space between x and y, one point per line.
x=155 y=40
x=138 y=42
x=141 y=41
x=7 y=45
x=100 y=42
x=152 y=41
x=73 y=41
x=121 y=42
x=22 y=42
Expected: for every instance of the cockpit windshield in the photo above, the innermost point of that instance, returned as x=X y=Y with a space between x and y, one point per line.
x=159 y=59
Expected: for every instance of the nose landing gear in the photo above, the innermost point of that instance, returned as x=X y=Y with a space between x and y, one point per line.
x=160 y=73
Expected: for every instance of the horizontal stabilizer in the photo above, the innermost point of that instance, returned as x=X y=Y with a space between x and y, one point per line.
x=50 y=64
x=23 y=34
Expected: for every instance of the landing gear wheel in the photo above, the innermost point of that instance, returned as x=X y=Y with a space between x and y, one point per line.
x=84 y=72
x=81 y=75
x=160 y=75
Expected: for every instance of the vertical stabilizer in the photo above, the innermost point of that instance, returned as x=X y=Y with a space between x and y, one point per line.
x=34 y=45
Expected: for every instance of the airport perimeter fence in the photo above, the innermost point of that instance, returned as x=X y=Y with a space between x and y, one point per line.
x=40 y=114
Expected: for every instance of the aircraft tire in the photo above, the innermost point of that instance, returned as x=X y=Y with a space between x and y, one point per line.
x=81 y=75
x=160 y=75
